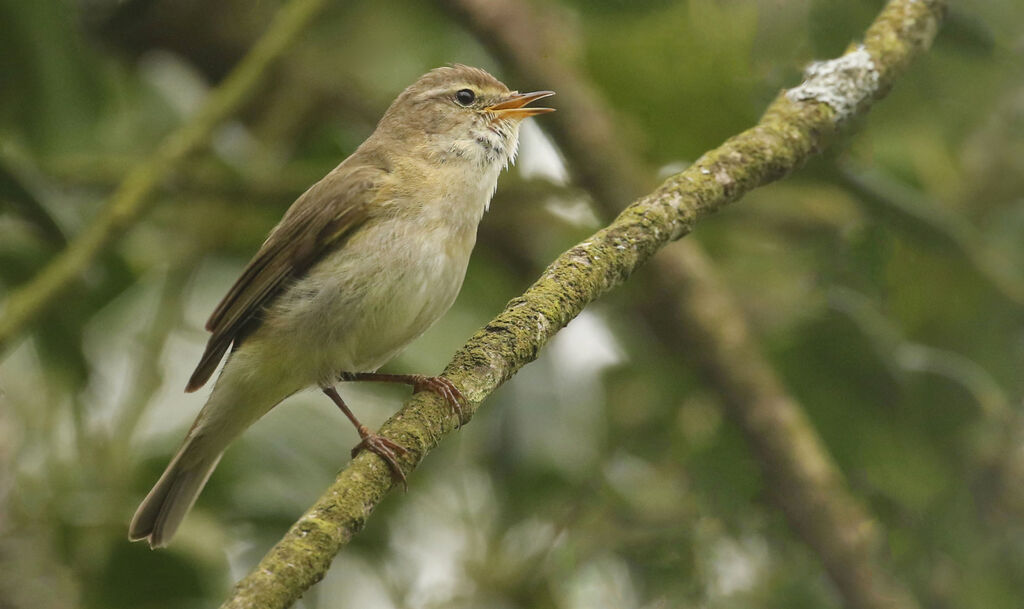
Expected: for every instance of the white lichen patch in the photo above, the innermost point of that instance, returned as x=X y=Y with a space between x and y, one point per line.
x=842 y=83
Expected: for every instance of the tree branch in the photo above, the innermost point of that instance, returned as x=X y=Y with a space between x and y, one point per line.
x=132 y=197
x=693 y=309
x=795 y=126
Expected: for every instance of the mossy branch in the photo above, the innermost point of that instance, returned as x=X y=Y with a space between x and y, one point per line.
x=134 y=195
x=694 y=312
x=793 y=128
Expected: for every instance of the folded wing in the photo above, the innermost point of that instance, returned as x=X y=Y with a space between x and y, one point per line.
x=317 y=222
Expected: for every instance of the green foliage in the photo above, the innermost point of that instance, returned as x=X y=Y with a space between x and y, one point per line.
x=883 y=284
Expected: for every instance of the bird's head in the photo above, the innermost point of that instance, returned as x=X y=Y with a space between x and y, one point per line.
x=460 y=114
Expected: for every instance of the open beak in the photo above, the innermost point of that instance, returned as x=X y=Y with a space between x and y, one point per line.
x=514 y=106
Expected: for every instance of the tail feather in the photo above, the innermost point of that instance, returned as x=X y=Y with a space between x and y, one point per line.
x=243 y=393
x=172 y=497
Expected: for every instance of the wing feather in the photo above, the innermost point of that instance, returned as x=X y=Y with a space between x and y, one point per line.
x=319 y=220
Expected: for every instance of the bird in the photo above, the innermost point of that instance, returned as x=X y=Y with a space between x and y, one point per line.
x=359 y=266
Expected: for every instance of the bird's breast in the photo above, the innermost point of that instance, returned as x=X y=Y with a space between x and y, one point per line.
x=387 y=284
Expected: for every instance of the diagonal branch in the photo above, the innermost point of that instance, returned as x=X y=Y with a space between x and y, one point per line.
x=133 y=197
x=794 y=127
x=696 y=314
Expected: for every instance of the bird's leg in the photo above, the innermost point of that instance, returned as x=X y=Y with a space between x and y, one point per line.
x=437 y=384
x=381 y=446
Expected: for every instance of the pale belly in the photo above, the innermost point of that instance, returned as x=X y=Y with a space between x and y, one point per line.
x=363 y=304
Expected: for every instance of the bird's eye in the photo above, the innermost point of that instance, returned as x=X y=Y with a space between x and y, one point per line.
x=465 y=97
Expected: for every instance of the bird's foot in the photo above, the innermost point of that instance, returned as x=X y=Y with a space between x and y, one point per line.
x=444 y=388
x=436 y=384
x=385 y=449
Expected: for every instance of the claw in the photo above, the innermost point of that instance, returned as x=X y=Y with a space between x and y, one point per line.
x=447 y=390
x=386 y=450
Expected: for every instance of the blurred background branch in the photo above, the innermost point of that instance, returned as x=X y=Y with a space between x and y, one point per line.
x=134 y=194
x=899 y=204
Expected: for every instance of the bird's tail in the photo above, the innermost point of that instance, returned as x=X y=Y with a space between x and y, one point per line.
x=243 y=394
x=172 y=497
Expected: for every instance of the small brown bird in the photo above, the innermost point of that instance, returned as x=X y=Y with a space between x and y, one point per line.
x=360 y=265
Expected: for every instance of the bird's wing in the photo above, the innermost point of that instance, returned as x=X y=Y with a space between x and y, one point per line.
x=319 y=220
